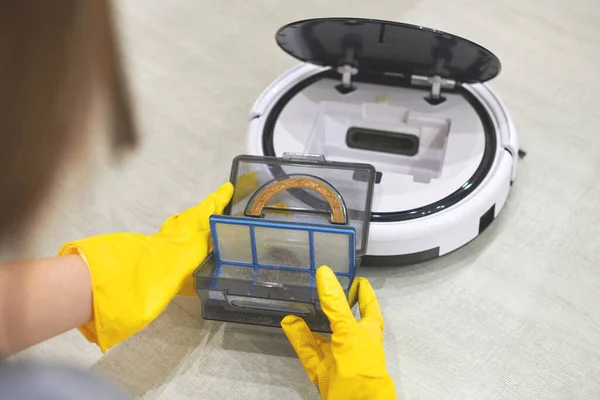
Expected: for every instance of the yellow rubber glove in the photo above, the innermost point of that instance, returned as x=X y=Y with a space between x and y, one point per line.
x=135 y=276
x=350 y=364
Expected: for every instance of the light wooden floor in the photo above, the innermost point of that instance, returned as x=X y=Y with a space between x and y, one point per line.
x=514 y=315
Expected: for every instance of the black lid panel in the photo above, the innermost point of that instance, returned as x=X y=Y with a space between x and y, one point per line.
x=383 y=46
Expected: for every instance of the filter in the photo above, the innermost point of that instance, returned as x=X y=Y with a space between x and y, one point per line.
x=288 y=217
x=281 y=253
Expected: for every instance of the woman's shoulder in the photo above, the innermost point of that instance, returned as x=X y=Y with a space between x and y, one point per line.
x=20 y=381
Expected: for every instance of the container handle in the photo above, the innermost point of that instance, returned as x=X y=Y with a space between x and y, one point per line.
x=261 y=197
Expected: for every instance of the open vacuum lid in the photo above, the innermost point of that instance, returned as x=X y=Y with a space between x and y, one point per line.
x=376 y=46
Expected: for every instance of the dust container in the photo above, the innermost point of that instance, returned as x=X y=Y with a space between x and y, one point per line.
x=288 y=216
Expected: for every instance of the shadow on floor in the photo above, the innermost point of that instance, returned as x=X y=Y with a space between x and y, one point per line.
x=152 y=357
x=429 y=273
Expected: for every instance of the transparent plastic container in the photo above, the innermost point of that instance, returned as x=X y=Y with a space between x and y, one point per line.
x=288 y=216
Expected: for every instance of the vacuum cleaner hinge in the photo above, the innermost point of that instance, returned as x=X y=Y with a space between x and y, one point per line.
x=435 y=83
x=345 y=85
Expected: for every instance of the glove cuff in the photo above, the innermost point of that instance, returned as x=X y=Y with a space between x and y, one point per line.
x=88 y=330
x=125 y=298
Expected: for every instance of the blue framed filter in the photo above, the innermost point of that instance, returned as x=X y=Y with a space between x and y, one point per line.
x=288 y=216
x=281 y=252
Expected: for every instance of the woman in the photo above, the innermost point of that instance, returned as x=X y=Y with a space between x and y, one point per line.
x=57 y=60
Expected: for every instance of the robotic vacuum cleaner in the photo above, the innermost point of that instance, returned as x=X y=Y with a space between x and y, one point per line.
x=412 y=102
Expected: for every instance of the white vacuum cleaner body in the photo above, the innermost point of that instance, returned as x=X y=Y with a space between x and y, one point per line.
x=410 y=101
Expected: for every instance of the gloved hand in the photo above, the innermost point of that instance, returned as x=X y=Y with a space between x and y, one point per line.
x=135 y=276
x=350 y=364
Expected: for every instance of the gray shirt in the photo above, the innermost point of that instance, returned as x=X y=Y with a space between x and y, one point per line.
x=29 y=381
